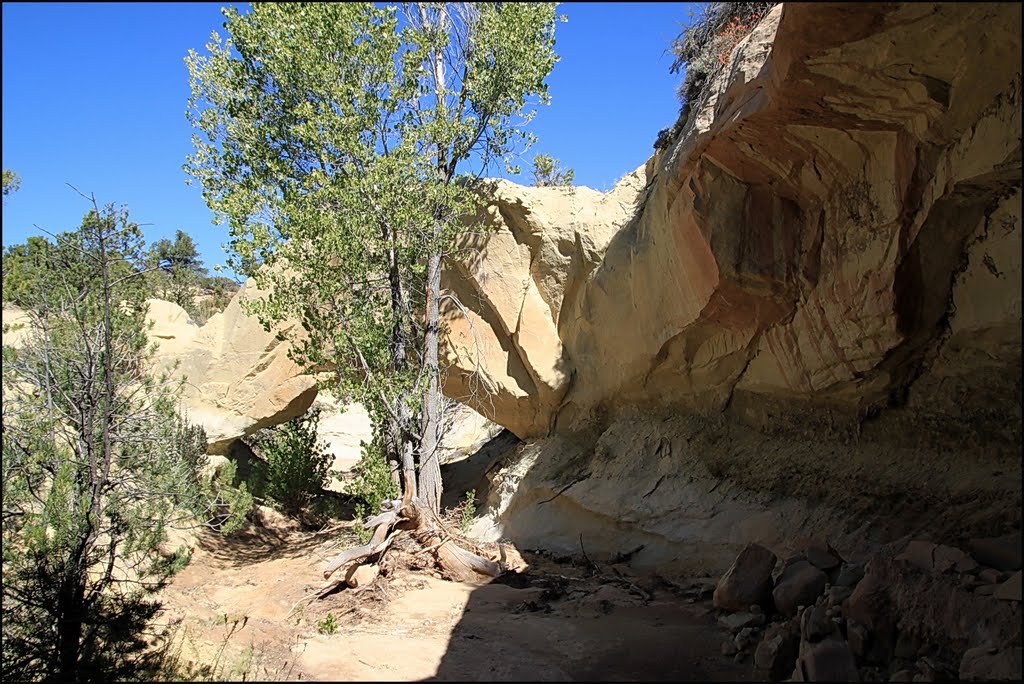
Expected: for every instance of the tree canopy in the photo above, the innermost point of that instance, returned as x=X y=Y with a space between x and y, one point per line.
x=340 y=142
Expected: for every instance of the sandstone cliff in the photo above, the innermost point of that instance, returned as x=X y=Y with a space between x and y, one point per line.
x=802 y=316
x=837 y=225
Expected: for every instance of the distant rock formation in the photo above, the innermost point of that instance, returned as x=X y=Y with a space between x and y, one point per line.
x=238 y=376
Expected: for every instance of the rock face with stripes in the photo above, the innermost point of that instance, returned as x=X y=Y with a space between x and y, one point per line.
x=836 y=227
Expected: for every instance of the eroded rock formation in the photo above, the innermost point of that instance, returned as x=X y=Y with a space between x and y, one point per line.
x=238 y=377
x=837 y=226
x=802 y=316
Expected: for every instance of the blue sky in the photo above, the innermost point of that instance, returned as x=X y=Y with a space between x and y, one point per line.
x=94 y=94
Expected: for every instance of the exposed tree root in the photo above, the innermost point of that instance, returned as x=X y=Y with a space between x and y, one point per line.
x=413 y=516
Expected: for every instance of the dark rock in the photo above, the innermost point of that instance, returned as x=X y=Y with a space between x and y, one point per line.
x=836 y=595
x=799 y=584
x=816 y=624
x=934 y=607
x=850 y=574
x=1010 y=590
x=1003 y=553
x=987 y=663
x=857 y=635
x=966 y=564
x=821 y=555
x=992 y=576
x=902 y=676
x=737 y=621
x=728 y=648
x=747 y=581
x=931 y=557
x=830 y=660
x=907 y=645
x=985 y=589
x=746 y=638
x=968 y=580
x=776 y=654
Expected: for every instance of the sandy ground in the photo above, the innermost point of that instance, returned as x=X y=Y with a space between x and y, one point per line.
x=235 y=615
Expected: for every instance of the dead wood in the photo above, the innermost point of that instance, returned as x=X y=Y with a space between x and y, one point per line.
x=378 y=542
x=361 y=575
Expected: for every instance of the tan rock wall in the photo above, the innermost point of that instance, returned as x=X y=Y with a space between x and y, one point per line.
x=238 y=377
x=804 y=240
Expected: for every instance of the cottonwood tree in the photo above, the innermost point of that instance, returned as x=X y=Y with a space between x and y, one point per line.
x=341 y=143
x=96 y=465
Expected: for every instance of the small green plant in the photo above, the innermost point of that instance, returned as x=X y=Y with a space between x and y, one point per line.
x=296 y=465
x=372 y=485
x=329 y=625
x=548 y=172
x=468 y=511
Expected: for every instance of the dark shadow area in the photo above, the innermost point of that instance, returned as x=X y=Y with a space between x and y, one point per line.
x=471 y=472
x=573 y=621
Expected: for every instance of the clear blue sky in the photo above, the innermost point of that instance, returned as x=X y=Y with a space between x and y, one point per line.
x=94 y=94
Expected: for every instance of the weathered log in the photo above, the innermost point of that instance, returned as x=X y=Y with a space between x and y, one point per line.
x=377 y=543
x=384 y=518
x=464 y=565
x=361 y=575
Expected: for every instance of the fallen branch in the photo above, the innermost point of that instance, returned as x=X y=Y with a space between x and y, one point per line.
x=376 y=544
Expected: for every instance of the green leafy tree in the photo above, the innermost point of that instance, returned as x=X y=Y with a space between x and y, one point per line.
x=342 y=143
x=23 y=265
x=97 y=463
x=548 y=172
x=11 y=182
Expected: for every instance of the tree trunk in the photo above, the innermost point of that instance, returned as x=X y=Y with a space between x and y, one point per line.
x=430 y=470
x=69 y=633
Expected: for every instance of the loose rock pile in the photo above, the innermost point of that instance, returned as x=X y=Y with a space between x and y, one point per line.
x=927 y=613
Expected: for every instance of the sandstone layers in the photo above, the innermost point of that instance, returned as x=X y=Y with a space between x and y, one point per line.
x=802 y=316
x=837 y=225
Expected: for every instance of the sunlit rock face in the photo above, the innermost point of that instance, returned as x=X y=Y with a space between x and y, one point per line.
x=238 y=377
x=836 y=227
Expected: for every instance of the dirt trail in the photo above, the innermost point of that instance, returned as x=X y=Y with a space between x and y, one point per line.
x=550 y=621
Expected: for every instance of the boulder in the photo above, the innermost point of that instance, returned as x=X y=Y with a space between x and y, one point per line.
x=737 y=621
x=830 y=660
x=931 y=557
x=1010 y=590
x=987 y=663
x=1002 y=553
x=748 y=581
x=777 y=652
x=798 y=585
x=238 y=377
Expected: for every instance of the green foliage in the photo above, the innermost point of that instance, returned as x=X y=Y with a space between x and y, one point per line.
x=548 y=172
x=97 y=464
x=703 y=48
x=11 y=182
x=295 y=466
x=23 y=265
x=329 y=625
x=371 y=483
x=338 y=141
x=175 y=270
x=468 y=511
